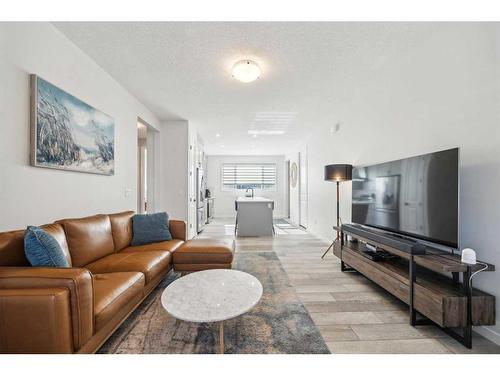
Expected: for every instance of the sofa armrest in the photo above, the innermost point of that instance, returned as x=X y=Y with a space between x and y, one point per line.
x=78 y=283
x=178 y=229
x=35 y=321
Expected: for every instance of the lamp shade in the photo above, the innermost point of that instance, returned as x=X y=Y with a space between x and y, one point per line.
x=338 y=172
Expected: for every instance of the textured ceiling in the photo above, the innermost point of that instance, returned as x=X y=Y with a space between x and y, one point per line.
x=183 y=71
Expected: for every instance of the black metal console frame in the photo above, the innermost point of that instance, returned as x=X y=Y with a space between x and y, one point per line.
x=343 y=267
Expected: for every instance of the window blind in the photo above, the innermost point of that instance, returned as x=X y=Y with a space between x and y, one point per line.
x=245 y=175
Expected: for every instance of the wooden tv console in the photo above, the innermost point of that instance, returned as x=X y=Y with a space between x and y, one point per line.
x=424 y=283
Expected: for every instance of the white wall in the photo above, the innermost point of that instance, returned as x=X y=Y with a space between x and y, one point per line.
x=173 y=197
x=224 y=200
x=442 y=94
x=29 y=195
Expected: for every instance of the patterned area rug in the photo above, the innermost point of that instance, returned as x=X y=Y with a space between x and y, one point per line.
x=278 y=324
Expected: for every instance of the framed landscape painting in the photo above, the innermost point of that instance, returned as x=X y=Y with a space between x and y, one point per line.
x=69 y=134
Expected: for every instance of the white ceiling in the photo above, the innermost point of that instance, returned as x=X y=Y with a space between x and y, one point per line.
x=183 y=71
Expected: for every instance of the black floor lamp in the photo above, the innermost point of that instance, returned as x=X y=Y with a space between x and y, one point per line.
x=337 y=173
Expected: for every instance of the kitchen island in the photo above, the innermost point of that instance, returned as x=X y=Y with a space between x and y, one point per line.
x=254 y=216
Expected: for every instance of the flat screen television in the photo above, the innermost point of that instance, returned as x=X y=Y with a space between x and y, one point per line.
x=416 y=197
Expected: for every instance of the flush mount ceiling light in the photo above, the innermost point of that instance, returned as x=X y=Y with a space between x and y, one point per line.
x=246 y=71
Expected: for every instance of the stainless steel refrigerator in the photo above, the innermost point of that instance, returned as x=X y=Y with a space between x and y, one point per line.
x=200 y=200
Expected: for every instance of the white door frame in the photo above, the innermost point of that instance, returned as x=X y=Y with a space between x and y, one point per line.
x=288 y=189
x=303 y=194
x=142 y=175
x=148 y=170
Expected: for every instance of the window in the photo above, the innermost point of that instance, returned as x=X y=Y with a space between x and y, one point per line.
x=249 y=175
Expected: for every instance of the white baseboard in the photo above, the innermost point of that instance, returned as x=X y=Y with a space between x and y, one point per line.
x=488 y=333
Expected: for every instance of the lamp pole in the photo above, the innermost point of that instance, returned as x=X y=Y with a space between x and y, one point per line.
x=338 y=220
x=337 y=173
x=338 y=209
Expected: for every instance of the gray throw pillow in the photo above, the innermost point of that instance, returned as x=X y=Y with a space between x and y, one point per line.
x=150 y=228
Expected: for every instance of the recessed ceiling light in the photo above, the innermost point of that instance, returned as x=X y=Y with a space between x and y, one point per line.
x=254 y=135
x=217 y=135
x=246 y=71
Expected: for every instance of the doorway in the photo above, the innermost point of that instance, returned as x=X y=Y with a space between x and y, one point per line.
x=303 y=188
x=146 y=136
x=288 y=189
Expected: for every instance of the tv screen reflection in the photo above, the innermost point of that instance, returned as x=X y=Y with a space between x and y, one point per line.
x=417 y=196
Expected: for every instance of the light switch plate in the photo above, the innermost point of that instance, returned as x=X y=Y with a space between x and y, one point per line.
x=128 y=191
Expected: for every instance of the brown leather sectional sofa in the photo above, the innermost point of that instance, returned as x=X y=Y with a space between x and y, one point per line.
x=74 y=310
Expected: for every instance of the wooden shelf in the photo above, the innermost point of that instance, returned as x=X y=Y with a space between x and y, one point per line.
x=440 y=261
x=434 y=259
x=436 y=296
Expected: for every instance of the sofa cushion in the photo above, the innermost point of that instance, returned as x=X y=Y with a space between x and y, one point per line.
x=149 y=228
x=177 y=229
x=121 y=228
x=12 y=249
x=112 y=292
x=150 y=263
x=89 y=238
x=205 y=251
x=171 y=246
x=42 y=249
x=12 y=245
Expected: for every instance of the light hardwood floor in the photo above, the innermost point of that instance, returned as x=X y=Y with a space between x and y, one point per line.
x=353 y=314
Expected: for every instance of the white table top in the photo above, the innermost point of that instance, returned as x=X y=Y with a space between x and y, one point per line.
x=212 y=295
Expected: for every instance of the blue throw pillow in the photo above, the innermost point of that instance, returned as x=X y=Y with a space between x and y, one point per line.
x=42 y=249
x=149 y=228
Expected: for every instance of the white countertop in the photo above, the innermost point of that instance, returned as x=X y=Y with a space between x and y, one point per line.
x=254 y=200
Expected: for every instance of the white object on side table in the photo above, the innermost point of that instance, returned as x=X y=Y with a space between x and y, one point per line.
x=212 y=296
x=469 y=256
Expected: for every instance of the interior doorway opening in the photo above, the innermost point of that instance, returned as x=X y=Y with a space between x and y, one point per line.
x=145 y=167
x=303 y=194
x=288 y=189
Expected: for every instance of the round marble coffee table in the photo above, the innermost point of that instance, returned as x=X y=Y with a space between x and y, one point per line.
x=212 y=296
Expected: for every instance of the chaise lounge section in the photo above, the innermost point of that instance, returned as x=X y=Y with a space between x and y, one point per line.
x=74 y=310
